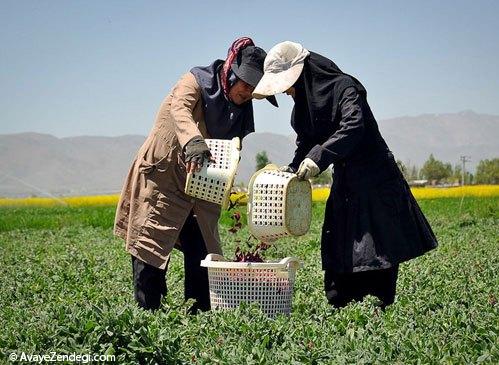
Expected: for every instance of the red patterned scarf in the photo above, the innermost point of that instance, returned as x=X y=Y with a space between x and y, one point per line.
x=238 y=44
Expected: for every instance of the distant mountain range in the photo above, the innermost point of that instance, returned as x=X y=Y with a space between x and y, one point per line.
x=38 y=164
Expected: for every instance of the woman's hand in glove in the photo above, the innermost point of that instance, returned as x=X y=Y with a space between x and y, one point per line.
x=287 y=168
x=307 y=169
x=196 y=153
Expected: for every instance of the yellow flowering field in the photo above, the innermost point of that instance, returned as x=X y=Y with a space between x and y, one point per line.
x=321 y=194
x=456 y=192
x=73 y=201
x=318 y=195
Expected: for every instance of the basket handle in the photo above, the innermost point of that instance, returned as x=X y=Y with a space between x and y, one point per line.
x=237 y=143
x=291 y=262
x=214 y=257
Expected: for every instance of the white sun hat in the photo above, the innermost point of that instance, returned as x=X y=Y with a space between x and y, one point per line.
x=282 y=67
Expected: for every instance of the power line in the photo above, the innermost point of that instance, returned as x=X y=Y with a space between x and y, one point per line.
x=34 y=187
x=464 y=159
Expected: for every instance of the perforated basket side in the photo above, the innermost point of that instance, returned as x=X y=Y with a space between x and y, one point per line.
x=206 y=188
x=267 y=203
x=214 y=182
x=230 y=287
x=268 y=284
x=280 y=204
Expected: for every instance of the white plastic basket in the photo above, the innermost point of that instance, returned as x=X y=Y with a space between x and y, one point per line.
x=269 y=284
x=214 y=182
x=279 y=204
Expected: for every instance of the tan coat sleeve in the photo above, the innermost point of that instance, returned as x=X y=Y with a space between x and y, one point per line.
x=186 y=94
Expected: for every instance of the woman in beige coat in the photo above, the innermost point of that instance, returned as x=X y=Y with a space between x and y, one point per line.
x=154 y=215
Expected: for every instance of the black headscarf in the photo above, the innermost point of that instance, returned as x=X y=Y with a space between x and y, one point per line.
x=318 y=92
x=223 y=118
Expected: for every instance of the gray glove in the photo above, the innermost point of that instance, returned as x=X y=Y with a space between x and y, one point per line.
x=287 y=168
x=196 y=151
x=308 y=169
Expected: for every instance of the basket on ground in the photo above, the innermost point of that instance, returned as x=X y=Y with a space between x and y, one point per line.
x=214 y=182
x=279 y=204
x=269 y=284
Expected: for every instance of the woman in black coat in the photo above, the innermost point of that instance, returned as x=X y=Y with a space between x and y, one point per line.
x=372 y=221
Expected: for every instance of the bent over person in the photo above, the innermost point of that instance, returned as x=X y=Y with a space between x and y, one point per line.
x=372 y=222
x=154 y=215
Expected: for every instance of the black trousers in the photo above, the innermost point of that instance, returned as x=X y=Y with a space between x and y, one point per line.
x=150 y=282
x=342 y=288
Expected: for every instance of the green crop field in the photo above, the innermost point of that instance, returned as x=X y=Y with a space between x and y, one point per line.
x=66 y=287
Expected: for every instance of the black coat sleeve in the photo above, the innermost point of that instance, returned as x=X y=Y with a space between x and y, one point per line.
x=344 y=140
x=303 y=146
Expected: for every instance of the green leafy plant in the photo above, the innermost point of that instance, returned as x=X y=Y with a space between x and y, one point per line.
x=67 y=287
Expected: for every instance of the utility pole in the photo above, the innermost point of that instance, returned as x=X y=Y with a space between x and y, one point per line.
x=464 y=159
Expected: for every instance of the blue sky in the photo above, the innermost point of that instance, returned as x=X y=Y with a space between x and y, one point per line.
x=72 y=68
